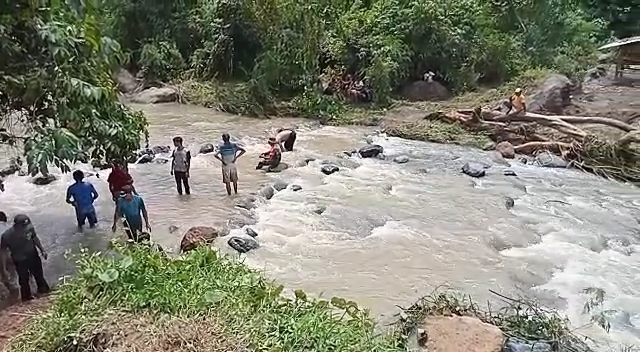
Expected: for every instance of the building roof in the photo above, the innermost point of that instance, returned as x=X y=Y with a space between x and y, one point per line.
x=621 y=42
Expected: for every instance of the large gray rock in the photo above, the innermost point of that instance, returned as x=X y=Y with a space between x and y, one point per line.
x=127 y=83
x=267 y=192
x=425 y=91
x=552 y=96
x=474 y=169
x=155 y=95
x=242 y=244
x=329 y=169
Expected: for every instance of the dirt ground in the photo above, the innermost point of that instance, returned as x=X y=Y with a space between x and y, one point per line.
x=16 y=317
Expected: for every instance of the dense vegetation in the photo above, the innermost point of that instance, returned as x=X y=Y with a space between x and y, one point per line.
x=246 y=56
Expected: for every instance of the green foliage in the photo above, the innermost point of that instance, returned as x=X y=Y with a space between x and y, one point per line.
x=201 y=283
x=57 y=99
x=621 y=16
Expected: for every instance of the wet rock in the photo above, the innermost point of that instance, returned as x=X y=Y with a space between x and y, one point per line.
x=308 y=160
x=368 y=139
x=523 y=160
x=1 y=185
x=160 y=149
x=127 y=83
x=370 y=151
x=251 y=232
x=509 y=203
x=242 y=245
x=280 y=185
x=296 y=188
x=329 y=169
x=387 y=187
x=319 y=209
x=456 y=334
x=9 y=170
x=550 y=160
x=350 y=153
x=207 y=148
x=247 y=202
x=515 y=344
x=173 y=228
x=508 y=172
x=198 y=236
x=281 y=167
x=425 y=91
x=155 y=95
x=552 y=96
x=423 y=171
x=401 y=159
x=267 y=192
x=474 y=169
x=145 y=159
x=43 y=180
x=506 y=150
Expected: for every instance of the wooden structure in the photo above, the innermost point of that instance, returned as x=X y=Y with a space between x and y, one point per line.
x=627 y=52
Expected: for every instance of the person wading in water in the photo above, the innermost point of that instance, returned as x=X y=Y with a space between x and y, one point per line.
x=286 y=138
x=82 y=195
x=180 y=165
x=23 y=244
x=228 y=153
x=118 y=178
x=131 y=207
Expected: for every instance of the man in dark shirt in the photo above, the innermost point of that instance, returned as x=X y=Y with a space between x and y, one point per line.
x=23 y=244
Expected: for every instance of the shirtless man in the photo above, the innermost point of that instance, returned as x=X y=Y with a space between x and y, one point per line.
x=286 y=138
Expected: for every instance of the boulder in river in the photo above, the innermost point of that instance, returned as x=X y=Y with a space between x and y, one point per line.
x=280 y=185
x=508 y=172
x=371 y=151
x=458 y=333
x=401 y=159
x=251 y=232
x=267 y=192
x=474 y=169
x=552 y=96
x=515 y=344
x=329 y=169
x=296 y=188
x=43 y=179
x=155 y=95
x=247 y=202
x=242 y=245
x=319 y=209
x=509 y=203
x=506 y=150
x=198 y=236
x=281 y=167
x=207 y=148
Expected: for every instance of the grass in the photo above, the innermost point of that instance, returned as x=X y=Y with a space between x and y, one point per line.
x=200 y=285
x=439 y=132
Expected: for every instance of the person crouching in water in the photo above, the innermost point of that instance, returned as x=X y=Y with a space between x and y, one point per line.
x=118 y=178
x=180 y=165
x=23 y=244
x=132 y=208
x=82 y=195
x=272 y=157
x=286 y=138
x=228 y=153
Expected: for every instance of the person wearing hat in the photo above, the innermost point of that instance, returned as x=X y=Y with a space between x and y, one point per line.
x=517 y=102
x=272 y=157
x=23 y=243
x=228 y=153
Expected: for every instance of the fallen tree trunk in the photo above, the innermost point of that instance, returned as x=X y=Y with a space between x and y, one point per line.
x=531 y=147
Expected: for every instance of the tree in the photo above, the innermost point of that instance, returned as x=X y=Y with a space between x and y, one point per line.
x=57 y=98
x=623 y=16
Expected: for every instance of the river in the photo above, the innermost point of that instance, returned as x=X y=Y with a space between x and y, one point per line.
x=391 y=232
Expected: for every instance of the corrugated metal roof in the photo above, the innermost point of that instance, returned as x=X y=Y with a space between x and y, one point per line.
x=621 y=42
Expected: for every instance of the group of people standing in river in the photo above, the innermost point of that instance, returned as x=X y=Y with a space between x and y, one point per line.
x=21 y=251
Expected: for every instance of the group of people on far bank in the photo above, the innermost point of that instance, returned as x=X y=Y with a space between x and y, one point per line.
x=21 y=252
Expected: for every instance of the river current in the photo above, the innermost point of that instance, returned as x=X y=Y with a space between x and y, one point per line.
x=390 y=232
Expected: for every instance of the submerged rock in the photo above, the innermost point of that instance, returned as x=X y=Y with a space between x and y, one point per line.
x=155 y=95
x=198 y=236
x=515 y=344
x=267 y=192
x=457 y=334
x=509 y=203
x=319 y=209
x=550 y=160
x=508 y=172
x=173 y=228
x=329 y=169
x=401 y=159
x=251 y=232
x=350 y=152
x=281 y=167
x=43 y=180
x=280 y=185
x=474 y=169
x=242 y=245
x=207 y=148
x=247 y=202
x=370 y=151
x=296 y=188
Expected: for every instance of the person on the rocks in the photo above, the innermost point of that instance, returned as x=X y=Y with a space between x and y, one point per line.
x=118 y=178
x=7 y=269
x=272 y=157
x=82 y=195
x=131 y=207
x=286 y=138
x=228 y=153
x=180 y=165
x=23 y=243
x=518 y=102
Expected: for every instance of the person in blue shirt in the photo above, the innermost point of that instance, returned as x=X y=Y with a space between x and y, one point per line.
x=228 y=153
x=82 y=195
x=131 y=207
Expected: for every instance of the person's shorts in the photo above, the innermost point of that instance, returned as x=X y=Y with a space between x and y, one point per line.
x=229 y=173
x=82 y=216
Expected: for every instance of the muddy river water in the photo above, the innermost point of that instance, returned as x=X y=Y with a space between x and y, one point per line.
x=390 y=232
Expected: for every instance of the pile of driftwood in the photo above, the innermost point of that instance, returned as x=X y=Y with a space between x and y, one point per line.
x=614 y=159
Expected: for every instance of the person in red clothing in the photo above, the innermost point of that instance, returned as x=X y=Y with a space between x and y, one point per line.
x=118 y=178
x=272 y=157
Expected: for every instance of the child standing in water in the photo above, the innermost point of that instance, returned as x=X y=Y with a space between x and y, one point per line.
x=180 y=165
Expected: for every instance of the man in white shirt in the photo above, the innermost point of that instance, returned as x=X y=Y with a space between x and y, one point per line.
x=286 y=138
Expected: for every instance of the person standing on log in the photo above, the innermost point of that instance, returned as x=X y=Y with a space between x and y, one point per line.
x=518 y=102
x=180 y=165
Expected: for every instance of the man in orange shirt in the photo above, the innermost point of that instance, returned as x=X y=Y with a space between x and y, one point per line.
x=517 y=102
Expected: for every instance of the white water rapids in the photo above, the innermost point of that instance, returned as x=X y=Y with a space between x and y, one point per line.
x=391 y=232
